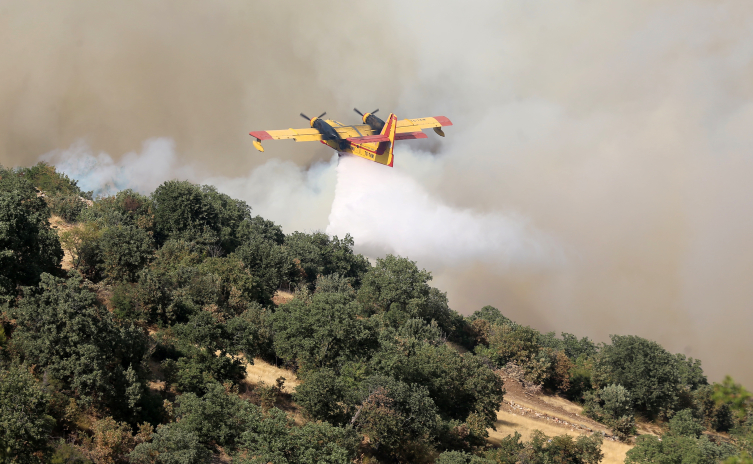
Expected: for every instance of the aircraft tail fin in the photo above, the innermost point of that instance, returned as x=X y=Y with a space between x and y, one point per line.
x=384 y=151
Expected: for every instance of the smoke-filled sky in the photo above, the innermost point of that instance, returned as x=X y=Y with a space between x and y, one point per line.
x=596 y=180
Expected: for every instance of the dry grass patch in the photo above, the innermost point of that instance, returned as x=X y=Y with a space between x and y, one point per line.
x=559 y=402
x=282 y=297
x=508 y=423
x=61 y=226
x=262 y=371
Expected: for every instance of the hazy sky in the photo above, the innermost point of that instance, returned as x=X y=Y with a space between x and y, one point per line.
x=596 y=180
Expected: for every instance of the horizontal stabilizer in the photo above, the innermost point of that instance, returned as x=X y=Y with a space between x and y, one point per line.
x=369 y=139
x=411 y=135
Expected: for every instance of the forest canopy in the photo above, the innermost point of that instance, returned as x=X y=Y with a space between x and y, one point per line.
x=135 y=348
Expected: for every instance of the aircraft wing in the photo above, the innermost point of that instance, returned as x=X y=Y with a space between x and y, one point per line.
x=414 y=125
x=354 y=131
x=299 y=135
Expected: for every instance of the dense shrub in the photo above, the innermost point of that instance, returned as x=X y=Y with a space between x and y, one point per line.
x=28 y=246
x=544 y=449
x=68 y=207
x=198 y=213
x=324 y=332
x=613 y=406
x=64 y=331
x=125 y=208
x=124 y=250
x=320 y=255
x=46 y=178
x=647 y=370
x=24 y=423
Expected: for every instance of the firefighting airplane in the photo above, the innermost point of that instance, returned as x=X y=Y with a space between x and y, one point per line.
x=372 y=140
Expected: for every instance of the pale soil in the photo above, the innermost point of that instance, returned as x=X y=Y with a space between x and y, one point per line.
x=261 y=371
x=61 y=226
x=523 y=413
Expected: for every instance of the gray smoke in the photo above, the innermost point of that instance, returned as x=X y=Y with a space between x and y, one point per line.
x=600 y=152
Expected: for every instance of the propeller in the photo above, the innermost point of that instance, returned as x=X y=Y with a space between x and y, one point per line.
x=356 y=110
x=309 y=119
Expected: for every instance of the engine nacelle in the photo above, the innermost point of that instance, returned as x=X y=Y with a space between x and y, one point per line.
x=374 y=122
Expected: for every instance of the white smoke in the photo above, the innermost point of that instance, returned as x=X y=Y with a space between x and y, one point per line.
x=141 y=172
x=298 y=198
x=388 y=211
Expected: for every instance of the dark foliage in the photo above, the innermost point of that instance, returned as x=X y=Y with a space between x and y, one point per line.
x=69 y=337
x=28 y=246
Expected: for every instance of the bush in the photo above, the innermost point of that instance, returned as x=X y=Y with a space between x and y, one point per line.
x=544 y=449
x=684 y=424
x=613 y=406
x=24 y=423
x=28 y=246
x=172 y=443
x=198 y=213
x=46 y=178
x=321 y=255
x=323 y=333
x=69 y=336
x=124 y=250
x=68 y=207
x=647 y=370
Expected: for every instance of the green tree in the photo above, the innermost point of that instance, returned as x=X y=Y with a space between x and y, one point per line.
x=263 y=228
x=544 y=449
x=64 y=331
x=491 y=315
x=28 y=246
x=684 y=424
x=715 y=415
x=323 y=332
x=397 y=287
x=46 y=178
x=273 y=438
x=82 y=242
x=24 y=424
x=395 y=416
x=646 y=369
x=677 y=449
x=323 y=396
x=172 y=443
x=393 y=281
x=125 y=208
x=459 y=385
x=186 y=211
x=613 y=406
x=321 y=255
x=460 y=457
x=124 y=250
x=733 y=394
x=193 y=366
x=68 y=207
x=268 y=262
x=217 y=417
